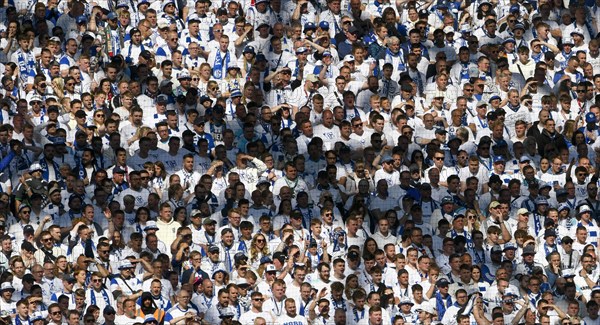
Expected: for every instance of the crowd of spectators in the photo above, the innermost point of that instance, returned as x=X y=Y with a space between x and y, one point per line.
x=294 y=162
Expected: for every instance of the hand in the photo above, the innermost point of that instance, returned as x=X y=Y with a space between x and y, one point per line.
x=583 y=273
x=322 y=293
x=228 y=193
x=107 y=214
x=433 y=279
x=47 y=219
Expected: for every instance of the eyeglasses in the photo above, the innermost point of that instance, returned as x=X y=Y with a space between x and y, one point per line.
x=70 y=84
x=46 y=239
x=55 y=313
x=96 y=280
x=258 y=299
x=217 y=30
x=43 y=85
x=174 y=39
x=100 y=115
x=260 y=240
x=104 y=251
x=511 y=20
x=25 y=212
x=195 y=79
x=213 y=88
x=357 y=125
x=438 y=158
x=581 y=90
x=469 y=89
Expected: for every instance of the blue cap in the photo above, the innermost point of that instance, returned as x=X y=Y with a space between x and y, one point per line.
x=249 y=49
x=458 y=216
x=387 y=158
x=205 y=98
x=540 y=200
x=544 y=185
x=561 y=192
x=447 y=199
x=498 y=159
x=265 y=259
x=494 y=98
x=309 y=26
x=590 y=118
x=509 y=245
x=563 y=206
x=442 y=4
x=301 y=50
x=324 y=25
x=81 y=19
x=111 y=16
x=261 y=57
x=514 y=8
x=236 y=93
x=509 y=40
x=326 y=53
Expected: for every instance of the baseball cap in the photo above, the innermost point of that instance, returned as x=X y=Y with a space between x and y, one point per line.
x=150 y=225
x=208 y=221
x=509 y=246
x=590 y=117
x=324 y=25
x=446 y=200
x=529 y=250
x=549 y=233
x=81 y=19
x=162 y=99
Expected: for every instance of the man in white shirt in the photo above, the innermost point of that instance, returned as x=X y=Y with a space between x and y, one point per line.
x=128 y=316
x=256 y=310
x=291 y=316
x=383 y=236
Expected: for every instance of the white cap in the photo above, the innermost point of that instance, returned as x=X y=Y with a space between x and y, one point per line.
x=34 y=167
x=426 y=308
